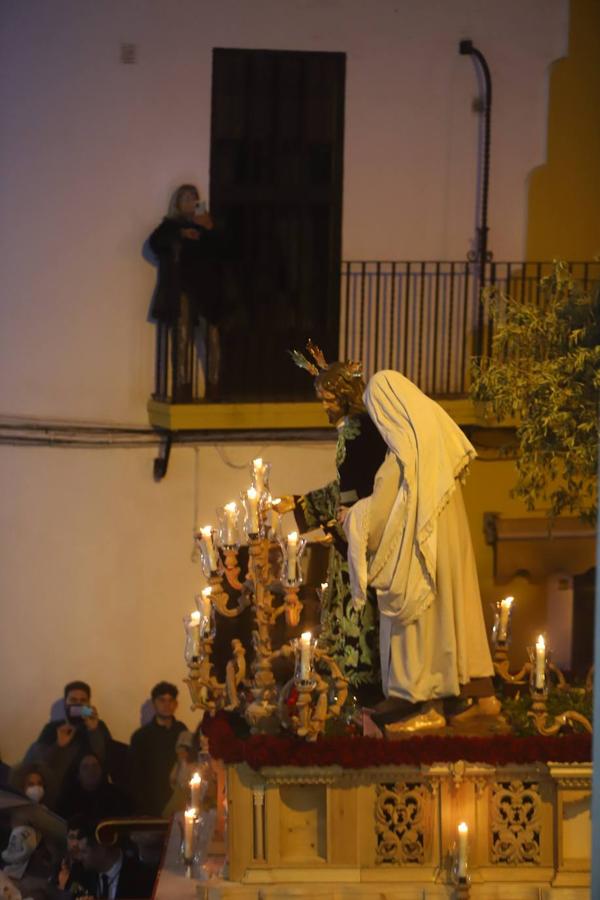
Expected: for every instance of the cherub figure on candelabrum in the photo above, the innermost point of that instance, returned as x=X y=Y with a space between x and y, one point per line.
x=348 y=629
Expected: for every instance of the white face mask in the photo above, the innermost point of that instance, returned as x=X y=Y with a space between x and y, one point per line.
x=35 y=792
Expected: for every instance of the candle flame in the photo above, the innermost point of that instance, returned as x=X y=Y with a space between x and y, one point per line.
x=231 y=507
x=508 y=602
x=306 y=637
x=292 y=537
x=195 y=617
x=463 y=828
x=324 y=585
x=541 y=643
x=251 y=493
x=257 y=463
x=196 y=778
x=206 y=532
x=190 y=815
x=207 y=591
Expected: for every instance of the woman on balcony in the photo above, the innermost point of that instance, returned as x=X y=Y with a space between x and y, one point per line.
x=188 y=287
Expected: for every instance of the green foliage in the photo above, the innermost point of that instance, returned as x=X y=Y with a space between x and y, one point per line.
x=559 y=701
x=544 y=371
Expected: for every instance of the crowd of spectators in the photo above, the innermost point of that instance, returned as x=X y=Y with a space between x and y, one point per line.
x=75 y=775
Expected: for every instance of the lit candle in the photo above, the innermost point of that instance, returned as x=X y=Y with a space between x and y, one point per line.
x=259 y=474
x=207 y=538
x=195 y=787
x=252 y=510
x=540 y=663
x=188 y=833
x=324 y=586
x=292 y=552
x=463 y=842
x=505 y=607
x=231 y=512
x=305 y=641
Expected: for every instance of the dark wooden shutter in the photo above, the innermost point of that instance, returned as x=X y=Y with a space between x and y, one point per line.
x=276 y=191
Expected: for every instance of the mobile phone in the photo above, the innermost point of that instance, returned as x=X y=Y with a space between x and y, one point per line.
x=81 y=711
x=200 y=207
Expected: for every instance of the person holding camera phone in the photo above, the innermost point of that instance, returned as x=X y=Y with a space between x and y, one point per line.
x=188 y=290
x=63 y=741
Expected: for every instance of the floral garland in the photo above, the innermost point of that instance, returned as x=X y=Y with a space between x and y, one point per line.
x=261 y=750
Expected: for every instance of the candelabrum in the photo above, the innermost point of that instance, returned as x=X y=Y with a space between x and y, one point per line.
x=270 y=589
x=539 y=673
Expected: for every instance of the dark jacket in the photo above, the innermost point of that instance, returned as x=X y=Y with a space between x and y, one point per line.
x=152 y=758
x=59 y=759
x=135 y=880
x=107 y=801
x=186 y=266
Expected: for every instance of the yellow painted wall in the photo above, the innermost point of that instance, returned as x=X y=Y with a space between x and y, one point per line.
x=564 y=194
x=487 y=489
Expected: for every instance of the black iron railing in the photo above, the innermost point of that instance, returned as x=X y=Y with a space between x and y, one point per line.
x=425 y=319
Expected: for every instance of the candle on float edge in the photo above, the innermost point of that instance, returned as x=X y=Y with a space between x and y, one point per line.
x=195 y=788
x=252 y=510
x=292 y=555
x=540 y=663
x=188 y=833
x=463 y=843
x=207 y=538
x=505 y=607
x=305 y=641
x=230 y=522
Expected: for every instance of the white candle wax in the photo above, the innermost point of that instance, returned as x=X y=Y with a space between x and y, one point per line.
x=463 y=842
x=305 y=641
x=188 y=833
x=195 y=788
x=205 y=609
x=259 y=474
x=252 y=510
x=540 y=663
x=207 y=538
x=230 y=522
x=505 y=606
x=274 y=514
x=195 y=635
x=292 y=553
x=205 y=602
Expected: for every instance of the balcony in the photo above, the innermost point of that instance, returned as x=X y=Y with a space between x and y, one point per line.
x=425 y=319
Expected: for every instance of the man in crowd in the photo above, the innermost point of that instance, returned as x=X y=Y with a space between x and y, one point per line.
x=63 y=741
x=153 y=752
x=117 y=875
x=70 y=874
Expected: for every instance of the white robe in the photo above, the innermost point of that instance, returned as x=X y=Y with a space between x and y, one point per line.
x=411 y=541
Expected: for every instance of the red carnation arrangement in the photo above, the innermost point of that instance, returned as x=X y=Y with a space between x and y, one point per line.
x=261 y=750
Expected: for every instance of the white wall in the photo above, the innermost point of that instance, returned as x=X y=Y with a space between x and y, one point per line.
x=97 y=572
x=95 y=568
x=90 y=150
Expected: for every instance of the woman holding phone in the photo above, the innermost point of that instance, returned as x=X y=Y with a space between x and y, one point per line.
x=188 y=286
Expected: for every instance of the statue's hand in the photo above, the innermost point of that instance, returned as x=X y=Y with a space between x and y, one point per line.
x=286 y=504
